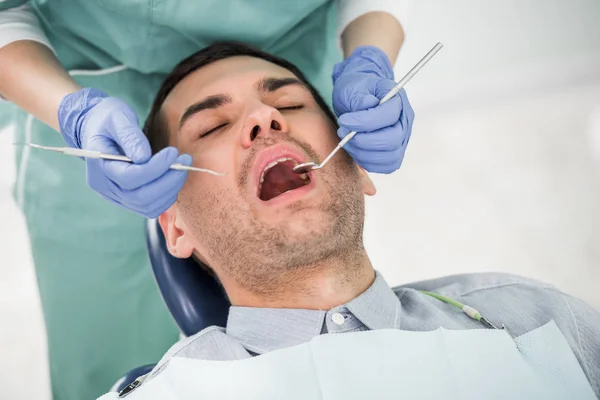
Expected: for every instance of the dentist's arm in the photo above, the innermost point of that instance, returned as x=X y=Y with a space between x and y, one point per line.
x=33 y=78
x=30 y=75
x=376 y=28
x=380 y=23
x=371 y=34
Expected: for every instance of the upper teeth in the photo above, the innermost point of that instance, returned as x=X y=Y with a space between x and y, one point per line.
x=274 y=163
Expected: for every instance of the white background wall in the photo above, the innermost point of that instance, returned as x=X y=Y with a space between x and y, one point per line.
x=502 y=172
x=503 y=168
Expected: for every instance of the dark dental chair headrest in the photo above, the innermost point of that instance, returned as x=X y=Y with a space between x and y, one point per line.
x=194 y=297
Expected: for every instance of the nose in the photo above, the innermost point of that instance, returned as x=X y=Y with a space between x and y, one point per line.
x=262 y=120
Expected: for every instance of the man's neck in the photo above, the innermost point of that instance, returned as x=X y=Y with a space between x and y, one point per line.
x=316 y=287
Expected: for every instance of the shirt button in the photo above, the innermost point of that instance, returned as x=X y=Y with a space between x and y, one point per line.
x=338 y=318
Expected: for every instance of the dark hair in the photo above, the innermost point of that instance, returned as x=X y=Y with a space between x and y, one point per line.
x=155 y=128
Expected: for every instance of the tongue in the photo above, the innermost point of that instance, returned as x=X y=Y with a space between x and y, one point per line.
x=280 y=179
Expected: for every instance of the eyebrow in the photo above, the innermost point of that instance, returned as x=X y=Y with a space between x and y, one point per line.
x=208 y=103
x=265 y=85
x=272 y=84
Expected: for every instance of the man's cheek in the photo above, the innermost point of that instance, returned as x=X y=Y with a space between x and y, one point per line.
x=321 y=138
x=328 y=143
x=194 y=197
x=199 y=185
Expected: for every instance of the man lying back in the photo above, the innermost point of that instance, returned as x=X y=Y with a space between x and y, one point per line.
x=288 y=249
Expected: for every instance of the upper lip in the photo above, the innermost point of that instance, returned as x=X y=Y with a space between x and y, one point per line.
x=273 y=153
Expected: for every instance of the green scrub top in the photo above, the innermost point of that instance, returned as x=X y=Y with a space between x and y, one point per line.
x=103 y=313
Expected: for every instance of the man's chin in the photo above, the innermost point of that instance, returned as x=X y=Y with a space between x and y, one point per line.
x=300 y=222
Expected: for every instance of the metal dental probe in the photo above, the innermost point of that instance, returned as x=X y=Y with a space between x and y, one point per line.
x=311 y=166
x=115 y=157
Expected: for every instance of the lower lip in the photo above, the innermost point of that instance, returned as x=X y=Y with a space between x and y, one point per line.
x=290 y=195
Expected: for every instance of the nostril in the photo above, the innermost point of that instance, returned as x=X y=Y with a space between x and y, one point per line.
x=254 y=132
x=275 y=126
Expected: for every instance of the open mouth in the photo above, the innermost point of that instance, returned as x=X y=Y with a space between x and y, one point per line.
x=278 y=178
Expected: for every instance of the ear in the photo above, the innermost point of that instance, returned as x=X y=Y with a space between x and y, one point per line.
x=178 y=241
x=367 y=183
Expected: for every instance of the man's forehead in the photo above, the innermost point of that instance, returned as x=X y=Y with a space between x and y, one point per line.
x=229 y=75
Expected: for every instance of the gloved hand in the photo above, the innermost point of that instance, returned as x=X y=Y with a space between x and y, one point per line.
x=359 y=82
x=89 y=119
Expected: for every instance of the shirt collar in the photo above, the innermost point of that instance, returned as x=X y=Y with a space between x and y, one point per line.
x=266 y=329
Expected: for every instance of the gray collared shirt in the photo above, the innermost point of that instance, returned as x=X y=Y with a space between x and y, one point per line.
x=520 y=304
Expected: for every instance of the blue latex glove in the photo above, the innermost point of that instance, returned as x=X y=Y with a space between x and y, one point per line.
x=359 y=82
x=89 y=119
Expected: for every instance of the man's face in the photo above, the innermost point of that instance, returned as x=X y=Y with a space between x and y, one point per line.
x=255 y=120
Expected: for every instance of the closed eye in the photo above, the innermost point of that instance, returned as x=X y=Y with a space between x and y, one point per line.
x=290 y=108
x=216 y=128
